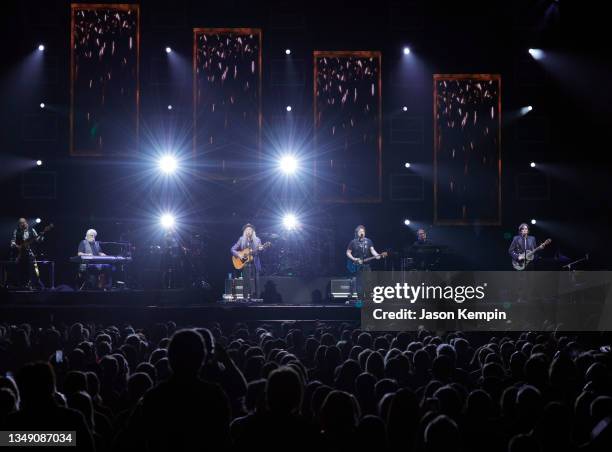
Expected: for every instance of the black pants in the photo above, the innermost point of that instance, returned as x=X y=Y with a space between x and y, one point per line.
x=26 y=273
x=250 y=276
x=358 y=287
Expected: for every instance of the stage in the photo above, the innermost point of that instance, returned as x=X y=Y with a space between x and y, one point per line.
x=146 y=307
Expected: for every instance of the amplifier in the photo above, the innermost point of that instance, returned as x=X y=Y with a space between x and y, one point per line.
x=234 y=289
x=342 y=288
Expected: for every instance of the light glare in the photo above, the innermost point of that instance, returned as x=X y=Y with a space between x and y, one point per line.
x=168 y=164
x=167 y=221
x=290 y=222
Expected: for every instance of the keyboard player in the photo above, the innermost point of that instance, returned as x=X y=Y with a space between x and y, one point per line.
x=94 y=276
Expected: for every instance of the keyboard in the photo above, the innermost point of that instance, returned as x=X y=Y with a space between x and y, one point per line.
x=100 y=260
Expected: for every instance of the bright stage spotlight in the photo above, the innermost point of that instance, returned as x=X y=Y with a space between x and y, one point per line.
x=168 y=164
x=407 y=165
x=290 y=222
x=404 y=108
x=532 y=164
x=39 y=162
x=170 y=107
x=41 y=47
x=537 y=54
x=406 y=222
x=288 y=164
x=37 y=221
x=526 y=109
x=406 y=50
x=168 y=49
x=42 y=105
x=167 y=221
x=288 y=108
x=287 y=51
x=533 y=221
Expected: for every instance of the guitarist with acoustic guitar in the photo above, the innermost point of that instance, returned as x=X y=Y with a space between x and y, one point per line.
x=523 y=248
x=22 y=240
x=245 y=257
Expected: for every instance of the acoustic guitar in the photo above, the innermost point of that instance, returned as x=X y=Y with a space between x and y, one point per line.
x=246 y=256
x=354 y=267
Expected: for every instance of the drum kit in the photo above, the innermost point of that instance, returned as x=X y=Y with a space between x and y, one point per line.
x=288 y=255
x=173 y=263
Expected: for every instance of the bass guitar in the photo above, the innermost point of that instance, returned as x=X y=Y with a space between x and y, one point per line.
x=24 y=247
x=246 y=256
x=354 y=267
x=525 y=258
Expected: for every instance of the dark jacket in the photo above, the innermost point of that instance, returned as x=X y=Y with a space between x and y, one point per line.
x=518 y=246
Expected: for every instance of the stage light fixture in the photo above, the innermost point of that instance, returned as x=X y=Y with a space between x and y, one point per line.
x=41 y=47
x=42 y=105
x=288 y=164
x=170 y=107
x=167 y=221
x=37 y=221
x=290 y=222
x=288 y=108
x=404 y=108
x=532 y=164
x=168 y=49
x=407 y=165
x=406 y=50
x=39 y=162
x=287 y=51
x=168 y=164
x=537 y=54
x=406 y=222
x=533 y=221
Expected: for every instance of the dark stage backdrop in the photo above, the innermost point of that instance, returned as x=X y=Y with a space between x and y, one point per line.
x=347 y=119
x=227 y=100
x=104 y=79
x=467 y=153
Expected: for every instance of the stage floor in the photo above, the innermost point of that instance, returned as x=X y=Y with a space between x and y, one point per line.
x=146 y=307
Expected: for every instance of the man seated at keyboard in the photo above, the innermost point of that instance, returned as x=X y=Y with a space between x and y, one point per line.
x=94 y=276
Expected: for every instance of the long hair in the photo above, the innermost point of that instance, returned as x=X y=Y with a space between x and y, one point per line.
x=244 y=239
x=521 y=226
x=244 y=236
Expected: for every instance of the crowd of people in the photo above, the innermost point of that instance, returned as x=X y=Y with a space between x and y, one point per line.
x=311 y=386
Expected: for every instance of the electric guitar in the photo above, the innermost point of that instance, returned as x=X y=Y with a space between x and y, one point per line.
x=246 y=256
x=528 y=256
x=354 y=267
x=24 y=247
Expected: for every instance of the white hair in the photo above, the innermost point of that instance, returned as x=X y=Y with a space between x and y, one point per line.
x=92 y=231
x=244 y=235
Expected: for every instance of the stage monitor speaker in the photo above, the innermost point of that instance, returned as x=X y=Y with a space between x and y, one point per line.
x=342 y=288
x=234 y=289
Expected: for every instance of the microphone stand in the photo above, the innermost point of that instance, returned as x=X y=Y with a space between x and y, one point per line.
x=571 y=264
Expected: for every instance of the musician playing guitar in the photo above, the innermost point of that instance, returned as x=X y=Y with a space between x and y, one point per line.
x=523 y=248
x=247 y=249
x=27 y=270
x=360 y=251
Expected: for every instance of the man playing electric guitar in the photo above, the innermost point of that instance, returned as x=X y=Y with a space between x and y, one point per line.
x=523 y=248
x=360 y=251
x=21 y=242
